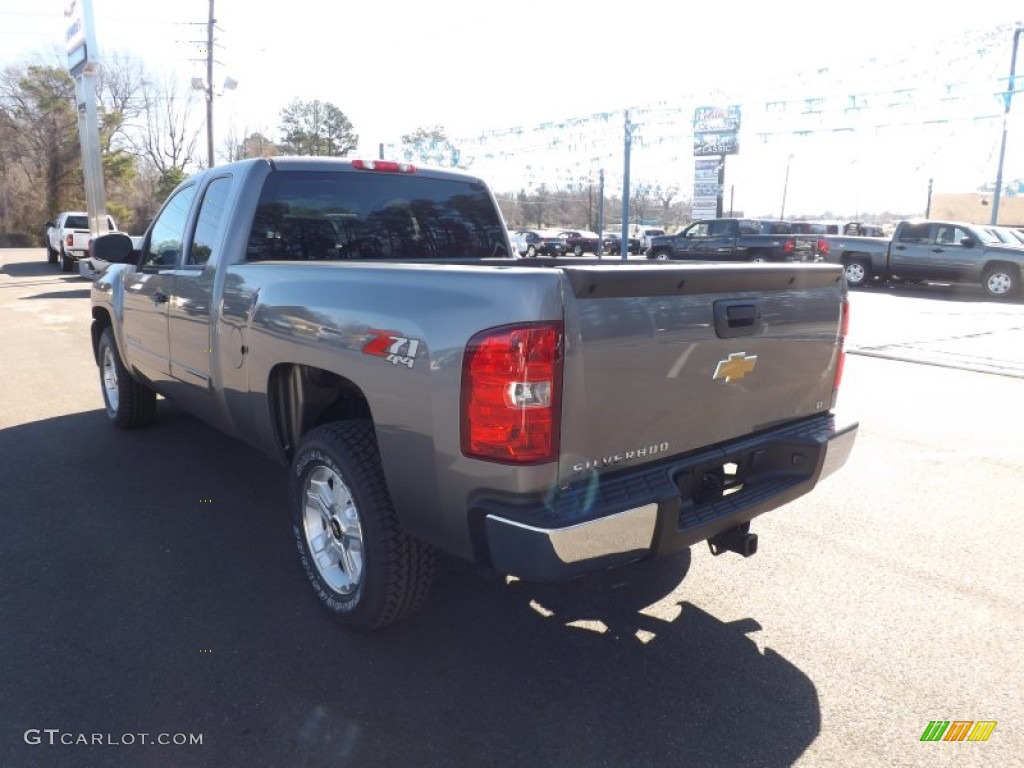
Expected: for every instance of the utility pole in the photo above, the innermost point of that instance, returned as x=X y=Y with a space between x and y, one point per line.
x=625 y=188
x=928 y=207
x=1008 y=98
x=209 y=88
x=600 y=212
x=785 y=188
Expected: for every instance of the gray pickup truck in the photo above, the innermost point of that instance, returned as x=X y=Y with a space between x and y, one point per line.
x=365 y=323
x=931 y=251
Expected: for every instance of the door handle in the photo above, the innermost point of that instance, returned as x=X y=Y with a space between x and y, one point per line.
x=937 y=250
x=900 y=247
x=159 y=297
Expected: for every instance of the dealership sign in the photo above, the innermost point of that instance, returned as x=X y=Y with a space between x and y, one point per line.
x=716 y=131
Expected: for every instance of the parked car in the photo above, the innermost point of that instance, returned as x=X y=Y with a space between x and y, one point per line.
x=67 y=238
x=727 y=240
x=1008 y=235
x=860 y=229
x=613 y=243
x=430 y=394
x=536 y=242
x=579 y=242
x=645 y=234
x=940 y=251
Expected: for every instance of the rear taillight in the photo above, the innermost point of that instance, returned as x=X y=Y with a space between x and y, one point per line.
x=789 y=246
x=511 y=394
x=69 y=240
x=844 y=327
x=823 y=247
x=384 y=166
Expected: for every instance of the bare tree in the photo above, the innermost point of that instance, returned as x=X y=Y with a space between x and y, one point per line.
x=168 y=137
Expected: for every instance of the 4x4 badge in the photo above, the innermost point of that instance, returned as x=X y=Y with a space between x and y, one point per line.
x=735 y=367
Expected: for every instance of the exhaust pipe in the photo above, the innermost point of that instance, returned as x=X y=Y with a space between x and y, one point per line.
x=739 y=540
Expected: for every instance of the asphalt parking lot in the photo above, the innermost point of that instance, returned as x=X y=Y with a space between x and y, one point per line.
x=151 y=587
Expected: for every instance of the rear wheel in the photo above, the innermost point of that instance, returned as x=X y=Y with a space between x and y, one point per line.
x=531 y=252
x=578 y=250
x=66 y=262
x=857 y=273
x=129 y=404
x=363 y=566
x=1000 y=281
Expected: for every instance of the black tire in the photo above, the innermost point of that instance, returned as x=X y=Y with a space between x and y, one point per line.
x=578 y=250
x=531 y=252
x=367 y=571
x=1000 y=281
x=51 y=255
x=66 y=262
x=857 y=272
x=128 y=403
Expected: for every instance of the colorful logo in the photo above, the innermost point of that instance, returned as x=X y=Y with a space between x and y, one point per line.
x=958 y=730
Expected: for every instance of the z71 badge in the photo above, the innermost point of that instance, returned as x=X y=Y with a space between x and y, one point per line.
x=397 y=350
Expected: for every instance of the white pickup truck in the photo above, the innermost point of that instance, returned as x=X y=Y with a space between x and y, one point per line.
x=67 y=238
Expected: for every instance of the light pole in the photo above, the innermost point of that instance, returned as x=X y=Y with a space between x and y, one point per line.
x=1008 y=96
x=785 y=188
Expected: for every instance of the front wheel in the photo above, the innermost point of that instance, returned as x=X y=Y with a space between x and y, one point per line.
x=363 y=566
x=857 y=274
x=129 y=404
x=51 y=255
x=1000 y=281
x=578 y=250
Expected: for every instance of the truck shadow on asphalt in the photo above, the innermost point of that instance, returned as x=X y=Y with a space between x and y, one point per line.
x=152 y=585
x=40 y=268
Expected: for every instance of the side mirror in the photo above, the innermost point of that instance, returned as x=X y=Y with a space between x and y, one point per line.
x=115 y=248
x=967 y=242
x=50 y=224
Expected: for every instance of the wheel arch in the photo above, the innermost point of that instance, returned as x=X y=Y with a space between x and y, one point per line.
x=100 y=320
x=303 y=397
x=1010 y=266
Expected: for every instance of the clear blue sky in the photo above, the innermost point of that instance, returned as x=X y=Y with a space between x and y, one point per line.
x=534 y=90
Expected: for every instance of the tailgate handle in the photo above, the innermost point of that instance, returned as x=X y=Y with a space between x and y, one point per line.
x=735 y=318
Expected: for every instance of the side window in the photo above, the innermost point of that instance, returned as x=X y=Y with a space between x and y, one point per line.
x=947 y=234
x=718 y=229
x=914 y=233
x=701 y=230
x=168 y=231
x=206 y=238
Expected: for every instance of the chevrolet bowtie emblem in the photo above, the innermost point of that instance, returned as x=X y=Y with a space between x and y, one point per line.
x=735 y=367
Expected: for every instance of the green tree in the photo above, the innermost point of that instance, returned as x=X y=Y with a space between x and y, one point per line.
x=38 y=104
x=316 y=128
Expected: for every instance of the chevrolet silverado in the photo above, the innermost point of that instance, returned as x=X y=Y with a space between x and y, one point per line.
x=365 y=324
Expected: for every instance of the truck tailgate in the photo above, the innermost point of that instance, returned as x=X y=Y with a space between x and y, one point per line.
x=663 y=360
